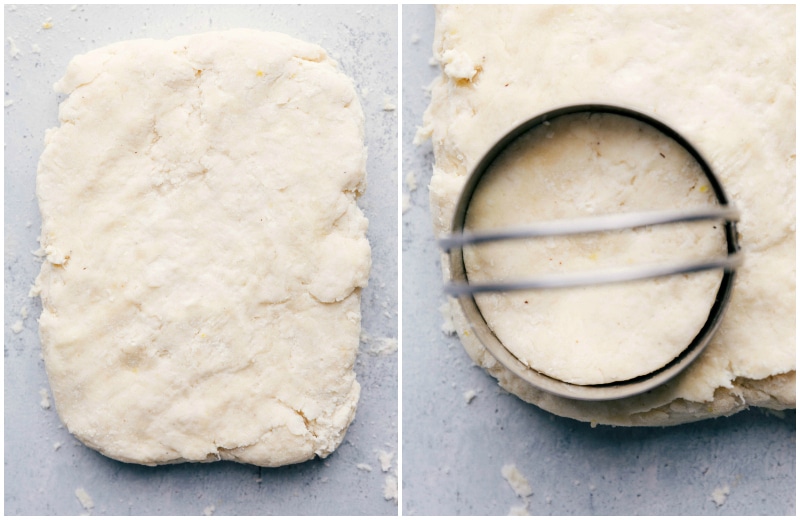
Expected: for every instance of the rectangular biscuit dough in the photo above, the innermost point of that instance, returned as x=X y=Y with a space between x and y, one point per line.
x=204 y=250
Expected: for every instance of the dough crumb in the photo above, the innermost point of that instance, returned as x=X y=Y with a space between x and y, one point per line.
x=388 y=106
x=24 y=312
x=406 y=202
x=378 y=346
x=209 y=510
x=720 y=495
x=519 y=511
x=56 y=446
x=8 y=103
x=45 y=401
x=469 y=395
x=390 y=488
x=364 y=467
x=447 y=327
x=48 y=24
x=411 y=181
x=85 y=500
x=415 y=38
x=17 y=327
x=13 y=50
x=517 y=481
x=386 y=460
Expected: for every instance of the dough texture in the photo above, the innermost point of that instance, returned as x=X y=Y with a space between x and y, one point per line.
x=584 y=166
x=723 y=76
x=204 y=250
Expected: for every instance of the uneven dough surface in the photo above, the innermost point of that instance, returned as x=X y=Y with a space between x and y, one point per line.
x=205 y=253
x=582 y=166
x=724 y=78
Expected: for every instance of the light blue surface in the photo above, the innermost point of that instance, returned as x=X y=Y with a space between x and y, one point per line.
x=453 y=452
x=41 y=480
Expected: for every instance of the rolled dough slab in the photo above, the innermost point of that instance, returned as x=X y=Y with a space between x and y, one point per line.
x=204 y=250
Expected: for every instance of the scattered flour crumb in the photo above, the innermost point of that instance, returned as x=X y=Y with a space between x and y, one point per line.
x=24 y=312
x=13 y=50
x=388 y=106
x=720 y=495
x=209 y=510
x=469 y=395
x=548 y=500
x=56 y=446
x=519 y=511
x=433 y=62
x=17 y=327
x=36 y=49
x=84 y=498
x=406 y=202
x=8 y=103
x=411 y=181
x=447 y=327
x=386 y=460
x=364 y=467
x=45 y=402
x=390 y=488
x=73 y=7
x=517 y=481
x=48 y=24
x=378 y=346
x=415 y=38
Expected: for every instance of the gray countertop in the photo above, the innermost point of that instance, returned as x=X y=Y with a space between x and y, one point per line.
x=453 y=452
x=44 y=464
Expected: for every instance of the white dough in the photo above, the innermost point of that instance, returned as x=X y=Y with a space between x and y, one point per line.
x=724 y=78
x=204 y=249
x=580 y=166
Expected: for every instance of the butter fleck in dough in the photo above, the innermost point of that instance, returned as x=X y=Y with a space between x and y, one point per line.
x=723 y=76
x=204 y=250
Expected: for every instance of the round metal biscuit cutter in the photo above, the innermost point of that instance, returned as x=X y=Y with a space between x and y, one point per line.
x=461 y=287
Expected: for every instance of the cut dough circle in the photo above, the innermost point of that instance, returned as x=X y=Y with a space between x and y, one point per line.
x=587 y=165
x=205 y=252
